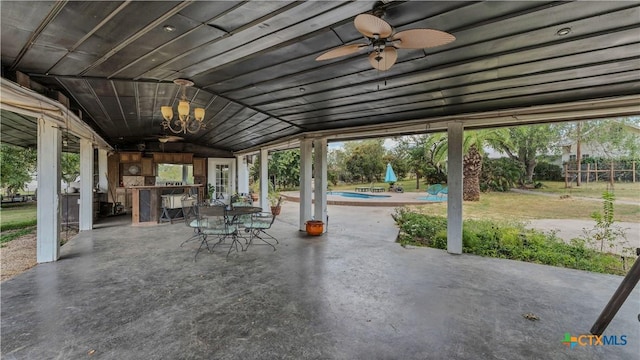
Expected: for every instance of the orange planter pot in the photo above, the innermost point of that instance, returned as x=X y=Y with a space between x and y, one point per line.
x=315 y=227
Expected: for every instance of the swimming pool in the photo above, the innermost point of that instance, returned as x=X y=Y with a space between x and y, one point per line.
x=356 y=195
x=432 y=198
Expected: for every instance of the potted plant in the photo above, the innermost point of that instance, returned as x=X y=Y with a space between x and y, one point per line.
x=274 y=198
x=211 y=190
x=253 y=191
x=314 y=227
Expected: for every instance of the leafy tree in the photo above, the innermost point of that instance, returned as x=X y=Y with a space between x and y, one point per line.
x=525 y=143
x=424 y=156
x=336 y=166
x=17 y=165
x=615 y=138
x=283 y=169
x=365 y=159
x=70 y=167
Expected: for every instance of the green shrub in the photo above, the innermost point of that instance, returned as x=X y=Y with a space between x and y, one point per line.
x=500 y=174
x=418 y=229
x=508 y=241
x=440 y=240
x=545 y=171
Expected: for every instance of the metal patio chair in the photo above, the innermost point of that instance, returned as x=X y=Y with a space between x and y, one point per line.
x=259 y=224
x=434 y=190
x=444 y=192
x=190 y=214
x=213 y=221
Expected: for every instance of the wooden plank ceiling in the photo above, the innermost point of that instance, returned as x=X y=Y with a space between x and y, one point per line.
x=254 y=68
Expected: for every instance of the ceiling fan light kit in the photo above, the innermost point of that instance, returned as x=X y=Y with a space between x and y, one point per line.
x=383 y=41
x=184 y=123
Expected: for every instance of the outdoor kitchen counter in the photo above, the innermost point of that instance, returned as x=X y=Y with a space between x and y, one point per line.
x=146 y=207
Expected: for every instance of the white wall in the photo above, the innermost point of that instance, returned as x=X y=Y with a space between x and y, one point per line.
x=591 y=149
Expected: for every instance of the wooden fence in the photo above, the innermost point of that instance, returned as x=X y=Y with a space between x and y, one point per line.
x=590 y=172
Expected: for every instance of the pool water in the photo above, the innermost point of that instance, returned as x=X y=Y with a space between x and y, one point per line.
x=356 y=195
x=432 y=198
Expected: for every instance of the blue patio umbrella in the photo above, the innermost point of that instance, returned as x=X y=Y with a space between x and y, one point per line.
x=390 y=177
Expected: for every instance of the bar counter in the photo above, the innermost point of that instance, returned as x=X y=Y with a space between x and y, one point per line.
x=146 y=202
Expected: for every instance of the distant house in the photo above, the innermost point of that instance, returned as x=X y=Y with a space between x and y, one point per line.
x=570 y=152
x=592 y=149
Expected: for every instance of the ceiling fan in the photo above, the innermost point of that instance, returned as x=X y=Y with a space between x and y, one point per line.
x=163 y=138
x=170 y=138
x=383 y=40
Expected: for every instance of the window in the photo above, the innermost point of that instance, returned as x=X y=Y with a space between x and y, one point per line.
x=222 y=179
x=584 y=156
x=174 y=174
x=572 y=158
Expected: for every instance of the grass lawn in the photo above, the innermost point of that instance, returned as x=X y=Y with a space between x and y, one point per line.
x=16 y=220
x=622 y=191
x=17 y=215
x=514 y=206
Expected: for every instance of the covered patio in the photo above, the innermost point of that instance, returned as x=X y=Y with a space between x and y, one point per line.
x=95 y=76
x=251 y=71
x=122 y=292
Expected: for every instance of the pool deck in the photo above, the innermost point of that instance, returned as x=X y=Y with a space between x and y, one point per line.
x=394 y=199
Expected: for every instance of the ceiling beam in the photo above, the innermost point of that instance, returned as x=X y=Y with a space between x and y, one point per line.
x=582 y=110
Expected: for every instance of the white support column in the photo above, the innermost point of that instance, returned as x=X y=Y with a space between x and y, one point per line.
x=233 y=184
x=264 y=180
x=48 y=210
x=243 y=175
x=305 y=182
x=320 y=182
x=455 y=154
x=103 y=181
x=86 y=185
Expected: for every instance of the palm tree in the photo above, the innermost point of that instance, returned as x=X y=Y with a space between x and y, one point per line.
x=471 y=169
x=473 y=149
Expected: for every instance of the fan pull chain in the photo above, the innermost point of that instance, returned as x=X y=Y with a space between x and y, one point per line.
x=385 y=82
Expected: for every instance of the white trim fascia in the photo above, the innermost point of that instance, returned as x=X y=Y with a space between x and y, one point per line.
x=21 y=100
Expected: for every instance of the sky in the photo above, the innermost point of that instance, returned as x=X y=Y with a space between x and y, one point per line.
x=389 y=144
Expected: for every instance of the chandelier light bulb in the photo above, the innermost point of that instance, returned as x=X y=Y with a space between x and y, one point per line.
x=185 y=123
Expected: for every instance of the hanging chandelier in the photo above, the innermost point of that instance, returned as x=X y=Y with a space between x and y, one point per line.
x=185 y=122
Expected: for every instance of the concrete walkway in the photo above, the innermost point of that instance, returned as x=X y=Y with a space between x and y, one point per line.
x=568 y=229
x=122 y=292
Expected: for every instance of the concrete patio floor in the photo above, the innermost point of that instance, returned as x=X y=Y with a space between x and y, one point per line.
x=123 y=292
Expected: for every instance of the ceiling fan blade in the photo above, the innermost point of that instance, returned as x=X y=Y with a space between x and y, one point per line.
x=421 y=38
x=383 y=60
x=341 y=51
x=370 y=25
x=170 y=138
